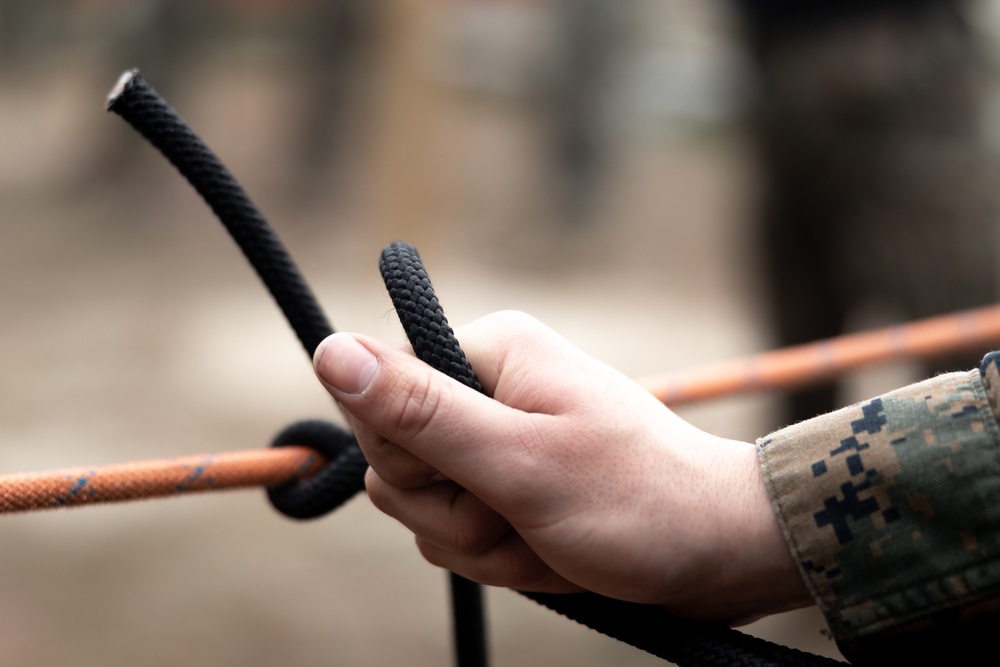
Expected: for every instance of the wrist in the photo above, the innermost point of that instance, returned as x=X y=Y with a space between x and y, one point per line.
x=747 y=571
x=767 y=580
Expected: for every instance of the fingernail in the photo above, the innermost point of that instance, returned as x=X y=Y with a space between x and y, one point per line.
x=345 y=364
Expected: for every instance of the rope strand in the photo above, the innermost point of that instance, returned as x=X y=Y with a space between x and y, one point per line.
x=774 y=370
x=143 y=108
x=138 y=480
x=813 y=363
x=140 y=105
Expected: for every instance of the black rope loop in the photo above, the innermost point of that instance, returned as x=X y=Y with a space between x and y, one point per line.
x=433 y=342
x=328 y=488
x=421 y=315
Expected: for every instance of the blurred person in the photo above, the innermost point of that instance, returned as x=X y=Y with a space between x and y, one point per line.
x=558 y=57
x=339 y=39
x=878 y=187
x=588 y=35
x=571 y=477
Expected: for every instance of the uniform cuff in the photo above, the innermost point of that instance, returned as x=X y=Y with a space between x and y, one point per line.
x=891 y=507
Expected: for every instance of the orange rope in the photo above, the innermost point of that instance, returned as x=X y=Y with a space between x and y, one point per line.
x=788 y=368
x=151 y=479
x=780 y=369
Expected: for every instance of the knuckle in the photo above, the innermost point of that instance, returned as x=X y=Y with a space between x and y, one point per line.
x=475 y=528
x=511 y=326
x=399 y=468
x=506 y=569
x=467 y=542
x=419 y=405
x=522 y=573
x=377 y=490
x=509 y=318
x=401 y=479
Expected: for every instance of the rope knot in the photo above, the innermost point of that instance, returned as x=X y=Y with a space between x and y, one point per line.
x=333 y=484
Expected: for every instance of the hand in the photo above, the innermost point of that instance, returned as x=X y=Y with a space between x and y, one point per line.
x=571 y=477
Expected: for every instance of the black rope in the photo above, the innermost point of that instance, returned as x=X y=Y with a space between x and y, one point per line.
x=421 y=315
x=143 y=108
x=682 y=642
x=154 y=119
x=643 y=626
x=433 y=342
x=331 y=486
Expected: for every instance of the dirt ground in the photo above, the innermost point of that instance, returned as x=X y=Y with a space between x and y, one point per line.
x=133 y=329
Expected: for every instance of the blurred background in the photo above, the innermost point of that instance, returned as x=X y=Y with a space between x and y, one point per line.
x=666 y=183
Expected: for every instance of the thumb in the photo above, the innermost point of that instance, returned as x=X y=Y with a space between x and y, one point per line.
x=403 y=400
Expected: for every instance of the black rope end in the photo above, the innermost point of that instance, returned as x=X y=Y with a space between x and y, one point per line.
x=126 y=81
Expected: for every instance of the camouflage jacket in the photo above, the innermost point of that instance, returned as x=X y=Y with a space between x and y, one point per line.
x=891 y=508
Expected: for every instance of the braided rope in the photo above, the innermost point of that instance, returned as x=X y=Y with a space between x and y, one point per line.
x=976 y=330
x=675 y=639
x=142 y=108
x=154 y=119
x=309 y=497
x=433 y=342
x=138 y=480
x=779 y=369
x=421 y=315
x=643 y=626
x=291 y=469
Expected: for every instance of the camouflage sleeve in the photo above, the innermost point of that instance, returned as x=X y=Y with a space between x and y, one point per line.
x=891 y=508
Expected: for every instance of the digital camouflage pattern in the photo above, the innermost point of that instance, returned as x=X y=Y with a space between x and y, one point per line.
x=891 y=507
